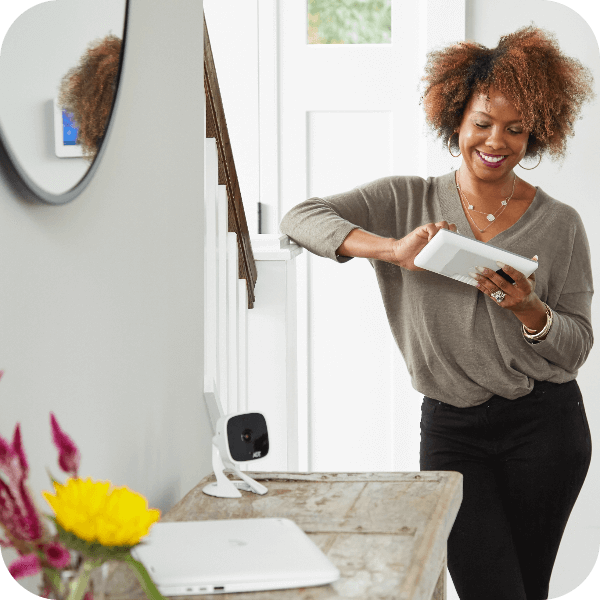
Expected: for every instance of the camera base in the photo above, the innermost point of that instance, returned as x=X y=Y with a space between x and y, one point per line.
x=224 y=487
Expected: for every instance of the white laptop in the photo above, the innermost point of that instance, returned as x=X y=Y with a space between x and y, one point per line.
x=235 y=555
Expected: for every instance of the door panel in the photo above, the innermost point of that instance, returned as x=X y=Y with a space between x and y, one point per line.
x=348 y=114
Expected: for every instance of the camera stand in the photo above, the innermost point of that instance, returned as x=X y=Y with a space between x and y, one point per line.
x=224 y=487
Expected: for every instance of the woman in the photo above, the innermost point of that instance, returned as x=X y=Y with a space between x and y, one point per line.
x=497 y=362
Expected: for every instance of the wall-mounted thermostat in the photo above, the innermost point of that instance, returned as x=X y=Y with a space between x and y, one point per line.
x=65 y=134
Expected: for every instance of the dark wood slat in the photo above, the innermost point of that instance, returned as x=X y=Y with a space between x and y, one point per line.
x=216 y=126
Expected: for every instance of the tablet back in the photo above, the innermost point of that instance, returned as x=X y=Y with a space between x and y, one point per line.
x=453 y=255
x=237 y=555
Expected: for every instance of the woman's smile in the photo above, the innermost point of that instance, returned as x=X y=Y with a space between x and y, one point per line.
x=491 y=160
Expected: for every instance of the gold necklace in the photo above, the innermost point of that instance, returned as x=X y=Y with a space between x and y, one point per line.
x=491 y=217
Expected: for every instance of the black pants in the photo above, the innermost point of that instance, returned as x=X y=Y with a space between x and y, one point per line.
x=523 y=463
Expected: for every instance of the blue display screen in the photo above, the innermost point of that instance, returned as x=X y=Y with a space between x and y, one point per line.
x=69 y=130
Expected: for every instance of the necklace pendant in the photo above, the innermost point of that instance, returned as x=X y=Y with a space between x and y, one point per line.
x=504 y=202
x=491 y=217
x=470 y=207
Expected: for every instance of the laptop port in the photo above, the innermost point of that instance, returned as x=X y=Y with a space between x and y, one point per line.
x=218 y=587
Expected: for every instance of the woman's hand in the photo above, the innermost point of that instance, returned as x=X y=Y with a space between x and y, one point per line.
x=406 y=249
x=519 y=297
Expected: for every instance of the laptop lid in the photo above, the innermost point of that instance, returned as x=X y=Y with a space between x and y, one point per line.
x=232 y=555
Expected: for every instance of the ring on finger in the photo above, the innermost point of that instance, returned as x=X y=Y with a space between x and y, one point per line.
x=498 y=296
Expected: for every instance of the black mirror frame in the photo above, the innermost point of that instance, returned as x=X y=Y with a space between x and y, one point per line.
x=24 y=187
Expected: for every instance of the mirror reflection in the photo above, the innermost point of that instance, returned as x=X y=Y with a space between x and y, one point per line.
x=58 y=72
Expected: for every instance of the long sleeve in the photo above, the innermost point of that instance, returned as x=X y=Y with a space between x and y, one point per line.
x=570 y=339
x=321 y=225
x=387 y=207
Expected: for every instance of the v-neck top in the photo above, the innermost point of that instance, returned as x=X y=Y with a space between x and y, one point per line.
x=460 y=347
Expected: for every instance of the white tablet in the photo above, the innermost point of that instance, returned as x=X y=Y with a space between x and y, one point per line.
x=454 y=255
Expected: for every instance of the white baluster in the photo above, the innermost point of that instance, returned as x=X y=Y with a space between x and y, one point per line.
x=242 y=346
x=232 y=318
x=222 y=328
x=210 y=260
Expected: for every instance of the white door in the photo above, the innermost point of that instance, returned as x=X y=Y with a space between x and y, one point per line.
x=348 y=114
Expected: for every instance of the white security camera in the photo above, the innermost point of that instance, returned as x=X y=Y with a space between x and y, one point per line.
x=239 y=438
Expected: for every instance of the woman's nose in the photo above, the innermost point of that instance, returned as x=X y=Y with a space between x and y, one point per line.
x=496 y=138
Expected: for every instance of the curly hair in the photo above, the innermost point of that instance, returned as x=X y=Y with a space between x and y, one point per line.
x=88 y=91
x=546 y=87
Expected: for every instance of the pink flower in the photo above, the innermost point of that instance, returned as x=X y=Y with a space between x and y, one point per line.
x=17 y=511
x=68 y=457
x=25 y=566
x=57 y=555
x=12 y=457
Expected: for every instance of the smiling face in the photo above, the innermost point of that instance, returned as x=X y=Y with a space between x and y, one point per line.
x=491 y=137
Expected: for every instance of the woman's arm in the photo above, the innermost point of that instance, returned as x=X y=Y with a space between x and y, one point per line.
x=339 y=227
x=366 y=221
x=362 y=244
x=570 y=338
x=400 y=252
x=321 y=225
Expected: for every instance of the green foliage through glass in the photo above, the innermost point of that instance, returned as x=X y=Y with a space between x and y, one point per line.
x=349 y=21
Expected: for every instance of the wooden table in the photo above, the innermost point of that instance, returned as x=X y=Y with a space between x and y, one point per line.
x=385 y=532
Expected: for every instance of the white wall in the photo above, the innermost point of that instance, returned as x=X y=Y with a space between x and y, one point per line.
x=101 y=300
x=38 y=50
x=233 y=31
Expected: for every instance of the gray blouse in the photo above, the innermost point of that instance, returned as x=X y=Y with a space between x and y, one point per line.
x=460 y=347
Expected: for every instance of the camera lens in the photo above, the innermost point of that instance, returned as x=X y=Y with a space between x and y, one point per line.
x=247 y=435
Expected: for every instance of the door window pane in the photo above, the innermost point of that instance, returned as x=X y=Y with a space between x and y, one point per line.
x=349 y=21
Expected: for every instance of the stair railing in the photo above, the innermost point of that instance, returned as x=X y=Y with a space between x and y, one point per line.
x=216 y=127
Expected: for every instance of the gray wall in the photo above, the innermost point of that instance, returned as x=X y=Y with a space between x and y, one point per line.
x=101 y=300
x=574 y=183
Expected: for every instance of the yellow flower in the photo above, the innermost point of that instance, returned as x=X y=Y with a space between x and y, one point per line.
x=88 y=509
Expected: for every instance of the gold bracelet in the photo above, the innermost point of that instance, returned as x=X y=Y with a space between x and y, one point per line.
x=544 y=331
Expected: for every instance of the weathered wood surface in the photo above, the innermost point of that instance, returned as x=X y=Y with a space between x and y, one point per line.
x=386 y=532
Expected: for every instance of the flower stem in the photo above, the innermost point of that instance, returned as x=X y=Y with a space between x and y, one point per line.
x=144 y=578
x=52 y=579
x=78 y=587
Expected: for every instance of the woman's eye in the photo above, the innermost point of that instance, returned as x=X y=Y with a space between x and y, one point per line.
x=485 y=126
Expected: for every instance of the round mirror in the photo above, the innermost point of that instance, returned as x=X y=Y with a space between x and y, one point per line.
x=59 y=70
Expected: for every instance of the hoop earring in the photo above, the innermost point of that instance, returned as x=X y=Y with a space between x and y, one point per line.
x=532 y=168
x=454 y=155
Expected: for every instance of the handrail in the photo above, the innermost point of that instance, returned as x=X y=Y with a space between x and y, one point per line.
x=216 y=126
